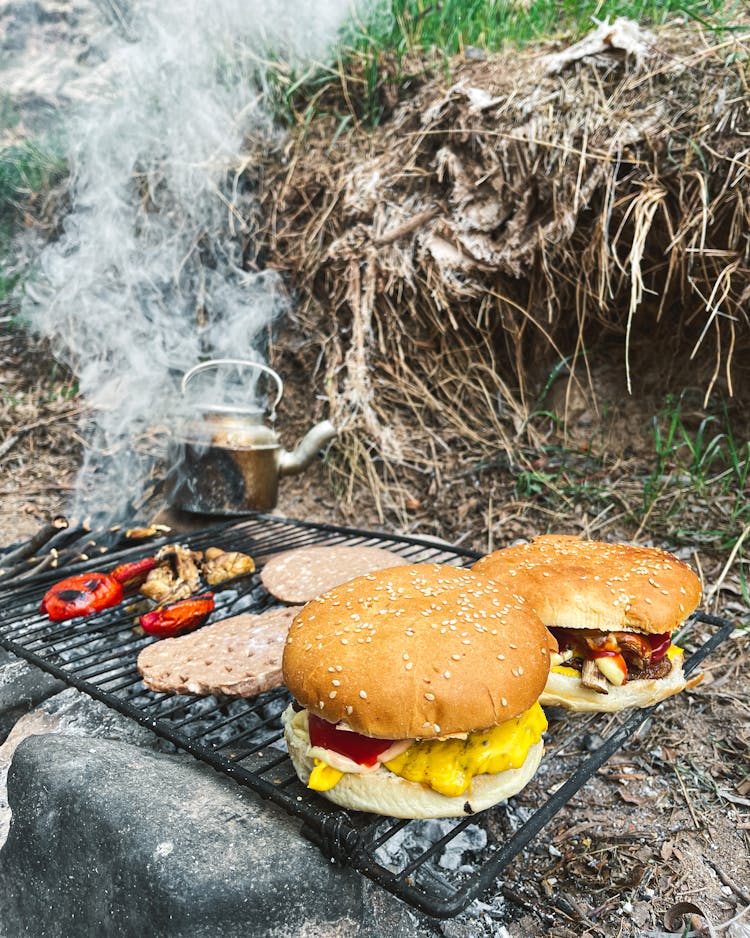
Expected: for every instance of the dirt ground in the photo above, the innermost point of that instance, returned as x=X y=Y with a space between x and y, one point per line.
x=657 y=843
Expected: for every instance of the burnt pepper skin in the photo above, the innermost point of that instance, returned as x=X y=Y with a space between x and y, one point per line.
x=178 y=618
x=132 y=575
x=81 y=595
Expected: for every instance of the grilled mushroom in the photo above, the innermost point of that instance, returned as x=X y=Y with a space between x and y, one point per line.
x=593 y=678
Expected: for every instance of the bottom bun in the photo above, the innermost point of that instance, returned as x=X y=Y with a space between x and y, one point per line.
x=382 y=792
x=564 y=690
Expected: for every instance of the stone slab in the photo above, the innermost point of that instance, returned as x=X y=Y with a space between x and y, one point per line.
x=22 y=687
x=110 y=839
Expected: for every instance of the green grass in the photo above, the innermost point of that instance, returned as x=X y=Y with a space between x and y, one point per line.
x=27 y=170
x=707 y=463
x=691 y=490
x=383 y=55
x=451 y=25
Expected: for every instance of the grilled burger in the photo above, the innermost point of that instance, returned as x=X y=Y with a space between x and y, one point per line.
x=416 y=692
x=612 y=608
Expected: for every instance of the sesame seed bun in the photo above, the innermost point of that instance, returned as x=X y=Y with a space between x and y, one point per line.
x=578 y=584
x=380 y=791
x=417 y=651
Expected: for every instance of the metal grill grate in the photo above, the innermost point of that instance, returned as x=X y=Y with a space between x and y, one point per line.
x=415 y=860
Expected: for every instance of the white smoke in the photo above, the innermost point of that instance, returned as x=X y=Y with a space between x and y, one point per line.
x=148 y=275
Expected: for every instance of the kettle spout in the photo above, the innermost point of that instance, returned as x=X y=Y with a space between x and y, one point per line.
x=301 y=457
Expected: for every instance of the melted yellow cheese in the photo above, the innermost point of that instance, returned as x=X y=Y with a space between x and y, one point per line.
x=673 y=651
x=323 y=777
x=448 y=765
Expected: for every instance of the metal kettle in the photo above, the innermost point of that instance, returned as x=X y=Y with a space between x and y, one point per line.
x=227 y=459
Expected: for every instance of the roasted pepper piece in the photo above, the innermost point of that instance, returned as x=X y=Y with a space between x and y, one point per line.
x=179 y=617
x=81 y=595
x=132 y=575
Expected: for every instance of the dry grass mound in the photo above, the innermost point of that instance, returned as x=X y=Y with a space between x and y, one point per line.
x=503 y=224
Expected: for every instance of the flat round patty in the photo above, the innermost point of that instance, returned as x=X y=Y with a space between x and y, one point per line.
x=297 y=576
x=239 y=657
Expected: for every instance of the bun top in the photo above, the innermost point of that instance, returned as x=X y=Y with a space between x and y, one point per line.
x=417 y=651
x=580 y=584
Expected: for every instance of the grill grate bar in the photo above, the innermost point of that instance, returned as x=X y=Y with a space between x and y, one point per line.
x=113 y=690
x=235 y=739
x=280 y=760
x=377 y=842
x=77 y=642
x=241 y=738
x=107 y=668
x=181 y=724
x=436 y=847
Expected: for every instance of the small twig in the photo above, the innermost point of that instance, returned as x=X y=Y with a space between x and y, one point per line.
x=730 y=560
x=44 y=564
x=421 y=218
x=39 y=489
x=8 y=443
x=687 y=799
x=737 y=890
x=11 y=441
x=34 y=543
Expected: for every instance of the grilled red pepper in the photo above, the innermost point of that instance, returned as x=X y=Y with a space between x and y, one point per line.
x=132 y=575
x=81 y=595
x=179 y=617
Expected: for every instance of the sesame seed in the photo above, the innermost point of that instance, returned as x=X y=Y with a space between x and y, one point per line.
x=503 y=701
x=409 y=665
x=363 y=694
x=501 y=657
x=405 y=656
x=465 y=641
x=332 y=694
x=436 y=728
x=446 y=674
x=520 y=670
x=429 y=696
x=339 y=667
x=349 y=709
x=336 y=683
x=344 y=641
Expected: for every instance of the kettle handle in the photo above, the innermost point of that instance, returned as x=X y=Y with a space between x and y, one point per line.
x=241 y=362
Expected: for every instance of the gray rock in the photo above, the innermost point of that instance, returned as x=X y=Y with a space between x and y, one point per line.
x=108 y=839
x=22 y=687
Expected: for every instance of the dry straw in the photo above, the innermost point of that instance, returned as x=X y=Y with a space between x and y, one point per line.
x=501 y=222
